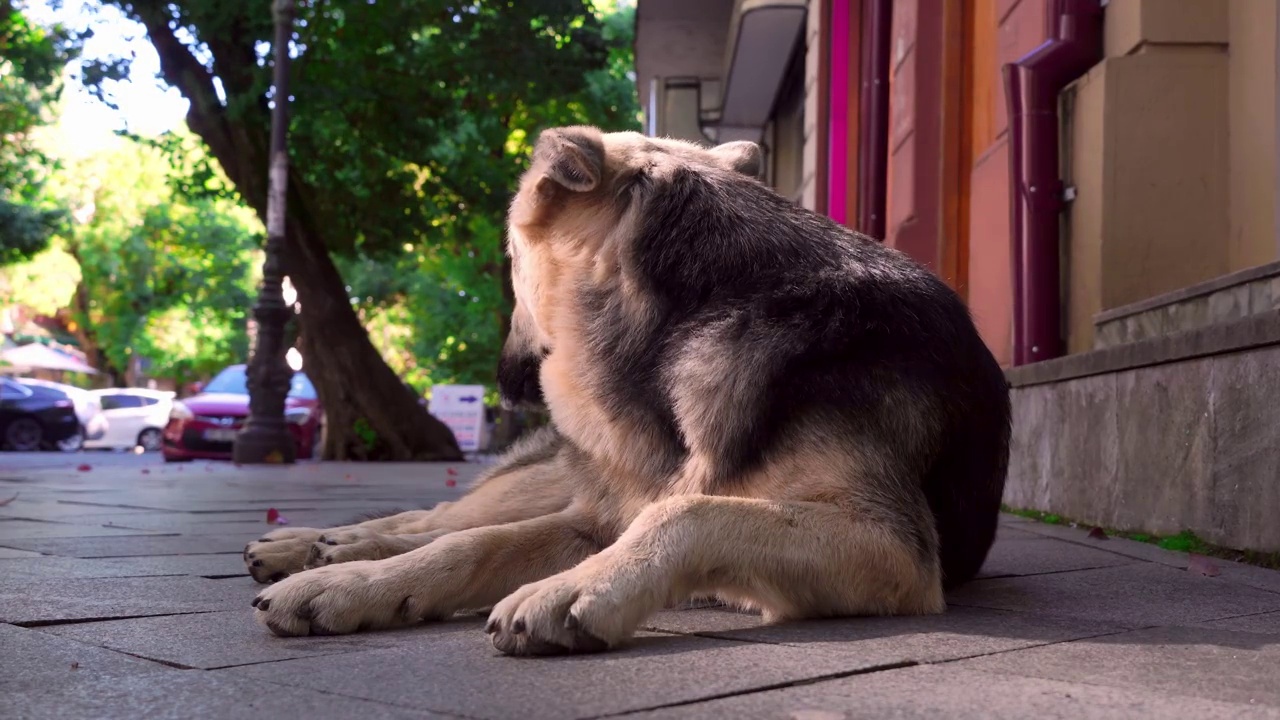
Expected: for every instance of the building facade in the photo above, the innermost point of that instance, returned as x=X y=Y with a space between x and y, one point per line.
x=1096 y=178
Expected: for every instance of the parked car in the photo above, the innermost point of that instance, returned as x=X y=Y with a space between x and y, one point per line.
x=136 y=417
x=93 y=424
x=205 y=425
x=30 y=421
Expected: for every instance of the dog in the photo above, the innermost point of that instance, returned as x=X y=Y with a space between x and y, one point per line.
x=747 y=400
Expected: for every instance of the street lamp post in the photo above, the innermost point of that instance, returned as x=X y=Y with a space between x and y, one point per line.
x=265 y=437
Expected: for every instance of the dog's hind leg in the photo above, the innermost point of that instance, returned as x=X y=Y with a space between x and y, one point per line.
x=464 y=570
x=528 y=483
x=790 y=559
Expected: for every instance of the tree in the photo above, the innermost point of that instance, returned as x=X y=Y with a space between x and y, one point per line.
x=402 y=114
x=31 y=62
x=154 y=276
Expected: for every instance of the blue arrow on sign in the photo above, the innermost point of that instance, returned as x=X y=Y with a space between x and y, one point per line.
x=469 y=399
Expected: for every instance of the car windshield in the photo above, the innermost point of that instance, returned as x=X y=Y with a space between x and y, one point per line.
x=235 y=381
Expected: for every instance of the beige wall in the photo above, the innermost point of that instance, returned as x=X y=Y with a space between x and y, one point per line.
x=1171 y=146
x=807 y=195
x=1252 y=90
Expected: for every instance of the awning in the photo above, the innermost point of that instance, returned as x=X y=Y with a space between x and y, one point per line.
x=42 y=357
x=762 y=38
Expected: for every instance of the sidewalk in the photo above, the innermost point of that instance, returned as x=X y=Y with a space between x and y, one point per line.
x=123 y=595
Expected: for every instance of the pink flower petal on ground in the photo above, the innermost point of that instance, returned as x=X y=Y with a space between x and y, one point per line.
x=272 y=515
x=84 y=467
x=1202 y=565
x=450 y=482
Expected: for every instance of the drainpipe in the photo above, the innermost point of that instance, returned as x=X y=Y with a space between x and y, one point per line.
x=1032 y=85
x=873 y=103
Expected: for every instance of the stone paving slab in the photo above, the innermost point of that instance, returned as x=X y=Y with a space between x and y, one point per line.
x=179 y=695
x=10 y=554
x=456 y=670
x=18 y=529
x=1241 y=573
x=1143 y=594
x=945 y=691
x=1028 y=554
x=37 y=662
x=1265 y=623
x=27 y=602
x=1199 y=662
x=133 y=545
x=222 y=639
x=960 y=632
x=42 y=567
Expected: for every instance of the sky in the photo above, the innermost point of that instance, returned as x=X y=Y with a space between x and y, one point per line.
x=147 y=106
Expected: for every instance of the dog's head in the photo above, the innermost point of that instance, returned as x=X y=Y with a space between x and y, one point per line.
x=578 y=206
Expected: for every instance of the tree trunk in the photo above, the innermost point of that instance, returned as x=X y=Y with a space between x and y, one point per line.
x=369 y=413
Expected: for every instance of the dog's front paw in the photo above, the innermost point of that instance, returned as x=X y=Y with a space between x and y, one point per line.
x=339 y=546
x=335 y=601
x=280 y=553
x=570 y=612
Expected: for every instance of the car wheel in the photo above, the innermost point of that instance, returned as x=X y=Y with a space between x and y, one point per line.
x=24 y=434
x=151 y=439
x=72 y=444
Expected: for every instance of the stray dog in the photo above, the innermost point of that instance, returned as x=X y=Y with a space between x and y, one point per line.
x=748 y=400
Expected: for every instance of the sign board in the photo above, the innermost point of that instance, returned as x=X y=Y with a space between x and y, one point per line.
x=461 y=407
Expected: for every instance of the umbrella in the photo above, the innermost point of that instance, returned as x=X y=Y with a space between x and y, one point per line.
x=41 y=357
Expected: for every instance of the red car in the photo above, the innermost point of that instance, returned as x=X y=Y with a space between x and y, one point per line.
x=204 y=426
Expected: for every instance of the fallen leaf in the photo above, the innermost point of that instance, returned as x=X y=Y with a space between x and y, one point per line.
x=450 y=482
x=348 y=476
x=6 y=501
x=272 y=515
x=84 y=467
x=1202 y=565
x=274 y=457
x=145 y=471
x=1098 y=534
x=451 y=471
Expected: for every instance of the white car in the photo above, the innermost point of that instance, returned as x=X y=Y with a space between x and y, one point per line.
x=136 y=418
x=93 y=423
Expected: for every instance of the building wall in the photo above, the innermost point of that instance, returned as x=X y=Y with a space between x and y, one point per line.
x=1171 y=146
x=1251 y=88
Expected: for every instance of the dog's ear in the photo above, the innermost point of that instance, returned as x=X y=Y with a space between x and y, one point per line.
x=571 y=157
x=741 y=156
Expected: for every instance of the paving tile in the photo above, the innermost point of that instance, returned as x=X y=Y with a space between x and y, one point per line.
x=459 y=672
x=35 y=661
x=1201 y=662
x=132 y=546
x=1028 y=554
x=10 y=554
x=1140 y=595
x=41 y=567
x=954 y=693
x=50 y=601
x=1250 y=575
x=873 y=641
x=1265 y=623
x=220 y=639
x=178 y=695
x=17 y=529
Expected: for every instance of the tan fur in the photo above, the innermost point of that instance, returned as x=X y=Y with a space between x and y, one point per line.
x=790 y=538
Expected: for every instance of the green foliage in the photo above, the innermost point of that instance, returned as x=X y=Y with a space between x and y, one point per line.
x=410 y=123
x=156 y=275
x=31 y=62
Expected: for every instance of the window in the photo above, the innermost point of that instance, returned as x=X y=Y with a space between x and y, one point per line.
x=120 y=401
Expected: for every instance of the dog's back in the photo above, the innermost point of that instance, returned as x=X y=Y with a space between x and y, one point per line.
x=828 y=333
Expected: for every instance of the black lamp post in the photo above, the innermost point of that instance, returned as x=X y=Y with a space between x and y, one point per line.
x=265 y=437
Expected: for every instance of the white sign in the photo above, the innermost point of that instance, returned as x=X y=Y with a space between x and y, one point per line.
x=461 y=407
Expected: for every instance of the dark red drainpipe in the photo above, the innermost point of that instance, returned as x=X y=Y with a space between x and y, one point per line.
x=873 y=104
x=1032 y=85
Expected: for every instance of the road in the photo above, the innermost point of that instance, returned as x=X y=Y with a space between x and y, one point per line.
x=96 y=458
